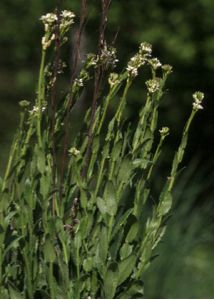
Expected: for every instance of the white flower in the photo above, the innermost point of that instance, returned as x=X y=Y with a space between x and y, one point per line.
x=78 y=82
x=74 y=151
x=46 y=41
x=133 y=71
x=67 y=18
x=167 y=69
x=155 y=63
x=145 y=49
x=198 y=98
x=164 y=131
x=113 y=79
x=66 y=14
x=108 y=56
x=153 y=85
x=134 y=64
x=49 y=18
x=24 y=103
x=35 y=110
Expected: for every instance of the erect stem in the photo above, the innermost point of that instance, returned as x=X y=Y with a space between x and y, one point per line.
x=79 y=33
x=41 y=96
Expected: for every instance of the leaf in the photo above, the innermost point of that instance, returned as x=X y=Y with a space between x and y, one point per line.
x=102 y=251
x=88 y=264
x=126 y=267
x=110 y=282
x=131 y=236
x=141 y=163
x=14 y=293
x=110 y=199
x=96 y=144
x=49 y=251
x=125 y=251
x=13 y=244
x=44 y=186
x=122 y=220
x=86 y=224
x=125 y=170
x=41 y=164
x=116 y=151
x=101 y=205
x=83 y=199
x=116 y=244
x=165 y=203
x=135 y=290
x=94 y=283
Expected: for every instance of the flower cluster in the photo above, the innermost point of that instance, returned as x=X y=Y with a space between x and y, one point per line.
x=145 y=49
x=198 y=98
x=80 y=80
x=113 y=79
x=36 y=110
x=139 y=59
x=167 y=69
x=153 y=85
x=50 y=21
x=73 y=151
x=67 y=19
x=108 y=56
x=91 y=60
x=155 y=63
x=24 y=103
x=164 y=131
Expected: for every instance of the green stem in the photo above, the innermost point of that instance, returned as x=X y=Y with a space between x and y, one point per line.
x=122 y=102
x=105 y=110
x=100 y=175
x=41 y=95
x=180 y=153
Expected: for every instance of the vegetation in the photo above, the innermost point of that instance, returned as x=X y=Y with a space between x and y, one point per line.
x=75 y=213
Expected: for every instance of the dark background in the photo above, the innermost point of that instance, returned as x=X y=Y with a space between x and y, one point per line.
x=182 y=34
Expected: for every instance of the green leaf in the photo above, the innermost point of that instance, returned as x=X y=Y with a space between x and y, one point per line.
x=141 y=163
x=88 y=264
x=126 y=267
x=116 y=151
x=125 y=170
x=44 y=186
x=110 y=282
x=110 y=199
x=13 y=244
x=14 y=293
x=49 y=251
x=102 y=251
x=131 y=236
x=101 y=205
x=83 y=199
x=41 y=161
x=165 y=203
x=96 y=144
x=125 y=251
x=134 y=291
x=122 y=220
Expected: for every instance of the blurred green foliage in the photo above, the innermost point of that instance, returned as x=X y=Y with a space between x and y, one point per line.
x=184 y=267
